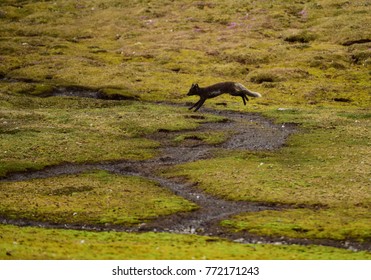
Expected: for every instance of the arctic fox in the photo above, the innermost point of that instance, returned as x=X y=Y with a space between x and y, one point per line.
x=234 y=89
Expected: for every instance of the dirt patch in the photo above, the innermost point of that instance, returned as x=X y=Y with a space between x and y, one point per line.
x=75 y=91
x=252 y=131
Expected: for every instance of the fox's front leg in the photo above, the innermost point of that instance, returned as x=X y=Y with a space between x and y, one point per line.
x=200 y=103
x=194 y=105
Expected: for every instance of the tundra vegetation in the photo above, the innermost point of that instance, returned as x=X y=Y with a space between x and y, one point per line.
x=310 y=60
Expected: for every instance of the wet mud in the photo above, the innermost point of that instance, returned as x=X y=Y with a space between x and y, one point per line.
x=245 y=131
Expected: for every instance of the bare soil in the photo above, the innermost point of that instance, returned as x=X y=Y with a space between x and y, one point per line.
x=246 y=131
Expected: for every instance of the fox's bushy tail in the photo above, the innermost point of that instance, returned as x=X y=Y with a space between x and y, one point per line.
x=253 y=93
x=246 y=91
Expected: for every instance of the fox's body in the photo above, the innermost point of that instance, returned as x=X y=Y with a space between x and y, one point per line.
x=234 y=89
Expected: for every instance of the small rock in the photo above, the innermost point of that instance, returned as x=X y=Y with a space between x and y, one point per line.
x=192 y=230
x=239 y=240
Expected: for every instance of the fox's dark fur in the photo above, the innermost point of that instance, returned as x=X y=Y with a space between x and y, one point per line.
x=235 y=89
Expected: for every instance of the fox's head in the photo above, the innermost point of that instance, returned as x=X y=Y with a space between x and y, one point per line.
x=193 y=90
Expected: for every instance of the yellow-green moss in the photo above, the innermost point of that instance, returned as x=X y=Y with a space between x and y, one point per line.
x=30 y=243
x=154 y=54
x=89 y=198
x=337 y=224
x=58 y=129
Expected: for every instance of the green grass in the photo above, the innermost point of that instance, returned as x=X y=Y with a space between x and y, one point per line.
x=29 y=243
x=309 y=59
x=95 y=198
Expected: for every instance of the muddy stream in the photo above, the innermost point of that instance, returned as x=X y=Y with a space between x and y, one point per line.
x=246 y=131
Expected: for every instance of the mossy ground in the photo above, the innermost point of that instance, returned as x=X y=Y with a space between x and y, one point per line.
x=156 y=50
x=29 y=243
x=336 y=224
x=95 y=198
x=47 y=131
x=309 y=59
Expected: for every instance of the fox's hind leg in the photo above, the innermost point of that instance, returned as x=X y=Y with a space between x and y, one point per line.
x=243 y=96
x=245 y=99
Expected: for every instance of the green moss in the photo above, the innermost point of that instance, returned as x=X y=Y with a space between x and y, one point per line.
x=337 y=224
x=90 y=198
x=301 y=37
x=54 y=130
x=29 y=243
x=152 y=59
x=356 y=115
x=41 y=89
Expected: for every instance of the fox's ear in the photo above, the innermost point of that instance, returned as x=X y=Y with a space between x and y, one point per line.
x=196 y=85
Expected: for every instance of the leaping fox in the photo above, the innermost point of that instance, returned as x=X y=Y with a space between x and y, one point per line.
x=234 y=89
